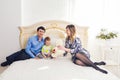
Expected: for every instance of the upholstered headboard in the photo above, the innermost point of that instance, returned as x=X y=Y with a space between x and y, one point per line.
x=55 y=29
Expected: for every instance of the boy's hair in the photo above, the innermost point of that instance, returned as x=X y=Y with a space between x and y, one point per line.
x=47 y=38
x=41 y=27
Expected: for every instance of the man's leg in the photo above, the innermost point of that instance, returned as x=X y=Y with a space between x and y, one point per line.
x=11 y=58
x=22 y=56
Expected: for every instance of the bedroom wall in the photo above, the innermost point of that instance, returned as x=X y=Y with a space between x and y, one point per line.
x=34 y=11
x=97 y=14
x=10 y=19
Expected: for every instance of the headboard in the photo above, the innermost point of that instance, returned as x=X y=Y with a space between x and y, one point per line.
x=55 y=29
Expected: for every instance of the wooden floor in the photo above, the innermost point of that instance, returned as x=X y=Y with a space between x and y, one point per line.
x=115 y=69
x=2 y=69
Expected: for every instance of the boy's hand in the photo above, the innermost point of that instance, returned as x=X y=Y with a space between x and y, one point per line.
x=48 y=54
x=45 y=56
x=53 y=51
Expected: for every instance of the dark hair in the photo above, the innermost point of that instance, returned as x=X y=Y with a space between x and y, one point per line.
x=41 y=27
x=47 y=38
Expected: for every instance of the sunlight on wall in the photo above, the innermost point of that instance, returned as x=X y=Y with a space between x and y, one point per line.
x=97 y=14
x=34 y=11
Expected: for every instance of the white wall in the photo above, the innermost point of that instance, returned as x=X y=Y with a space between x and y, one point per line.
x=10 y=19
x=34 y=11
x=97 y=14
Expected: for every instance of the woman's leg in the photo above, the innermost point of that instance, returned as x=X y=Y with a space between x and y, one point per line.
x=100 y=63
x=78 y=62
x=87 y=62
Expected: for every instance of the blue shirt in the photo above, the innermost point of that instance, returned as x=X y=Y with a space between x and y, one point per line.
x=34 y=46
x=76 y=47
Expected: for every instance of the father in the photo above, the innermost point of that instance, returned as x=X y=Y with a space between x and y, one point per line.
x=33 y=48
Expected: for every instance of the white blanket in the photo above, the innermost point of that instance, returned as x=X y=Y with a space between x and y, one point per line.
x=52 y=69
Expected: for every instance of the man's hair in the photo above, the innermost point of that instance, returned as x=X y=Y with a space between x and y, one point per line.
x=41 y=27
x=47 y=38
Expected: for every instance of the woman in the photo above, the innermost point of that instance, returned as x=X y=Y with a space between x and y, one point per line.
x=80 y=56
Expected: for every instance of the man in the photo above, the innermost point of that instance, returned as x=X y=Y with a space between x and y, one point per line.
x=33 y=47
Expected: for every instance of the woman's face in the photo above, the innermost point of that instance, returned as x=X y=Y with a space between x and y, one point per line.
x=68 y=31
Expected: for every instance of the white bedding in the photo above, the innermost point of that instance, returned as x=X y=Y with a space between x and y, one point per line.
x=52 y=69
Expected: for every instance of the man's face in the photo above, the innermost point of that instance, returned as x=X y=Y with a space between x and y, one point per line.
x=40 y=33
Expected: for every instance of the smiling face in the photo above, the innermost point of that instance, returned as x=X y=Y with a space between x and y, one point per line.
x=47 y=42
x=68 y=31
x=40 y=33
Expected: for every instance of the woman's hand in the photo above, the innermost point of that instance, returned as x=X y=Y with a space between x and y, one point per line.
x=63 y=48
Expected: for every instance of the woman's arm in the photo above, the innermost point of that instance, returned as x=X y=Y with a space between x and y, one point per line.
x=74 y=49
x=76 y=46
x=63 y=48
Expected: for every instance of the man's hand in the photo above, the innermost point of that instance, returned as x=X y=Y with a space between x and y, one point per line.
x=36 y=58
x=45 y=56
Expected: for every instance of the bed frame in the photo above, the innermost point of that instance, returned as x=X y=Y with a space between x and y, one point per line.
x=54 y=28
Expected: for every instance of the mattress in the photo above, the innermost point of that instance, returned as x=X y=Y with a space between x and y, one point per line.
x=60 y=68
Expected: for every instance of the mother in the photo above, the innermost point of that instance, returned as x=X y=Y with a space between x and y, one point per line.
x=80 y=56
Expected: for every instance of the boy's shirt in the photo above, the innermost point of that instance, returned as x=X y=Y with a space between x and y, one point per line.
x=47 y=49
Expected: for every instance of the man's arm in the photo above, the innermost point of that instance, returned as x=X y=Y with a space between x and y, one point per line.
x=28 y=47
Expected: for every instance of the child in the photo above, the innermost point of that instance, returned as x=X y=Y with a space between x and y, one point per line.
x=47 y=48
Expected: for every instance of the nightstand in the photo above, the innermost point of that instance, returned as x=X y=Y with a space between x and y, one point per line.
x=111 y=53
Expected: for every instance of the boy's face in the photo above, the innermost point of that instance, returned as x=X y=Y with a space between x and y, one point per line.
x=47 y=42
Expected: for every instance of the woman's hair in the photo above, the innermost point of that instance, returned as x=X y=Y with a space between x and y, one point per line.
x=47 y=39
x=72 y=29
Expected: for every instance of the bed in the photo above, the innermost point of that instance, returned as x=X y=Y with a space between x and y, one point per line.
x=60 y=68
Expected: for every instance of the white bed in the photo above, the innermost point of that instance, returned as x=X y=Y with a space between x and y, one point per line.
x=52 y=69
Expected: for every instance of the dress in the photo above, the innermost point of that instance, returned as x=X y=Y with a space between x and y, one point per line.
x=76 y=47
